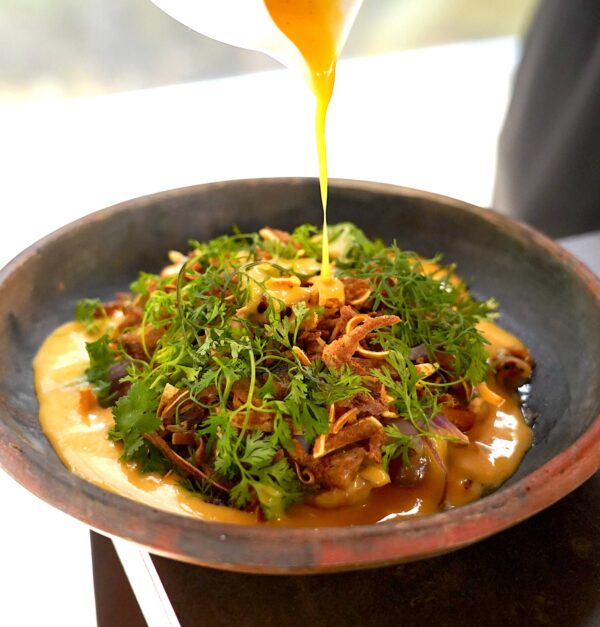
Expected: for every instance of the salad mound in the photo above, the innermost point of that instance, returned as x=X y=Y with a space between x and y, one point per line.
x=263 y=384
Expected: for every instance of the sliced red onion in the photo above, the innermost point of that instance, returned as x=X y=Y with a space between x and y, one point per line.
x=404 y=426
x=407 y=428
x=445 y=427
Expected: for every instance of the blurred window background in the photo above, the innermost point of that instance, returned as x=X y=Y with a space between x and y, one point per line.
x=52 y=49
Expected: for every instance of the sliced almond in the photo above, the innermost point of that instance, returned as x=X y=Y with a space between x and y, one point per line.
x=169 y=400
x=488 y=395
x=346 y=417
x=426 y=369
x=369 y=354
x=301 y=355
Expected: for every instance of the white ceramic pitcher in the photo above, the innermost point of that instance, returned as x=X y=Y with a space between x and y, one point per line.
x=248 y=24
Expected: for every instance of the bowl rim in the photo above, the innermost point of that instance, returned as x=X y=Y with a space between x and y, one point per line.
x=325 y=549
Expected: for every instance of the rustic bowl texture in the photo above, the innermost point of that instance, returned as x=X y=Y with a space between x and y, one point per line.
x=547 y=298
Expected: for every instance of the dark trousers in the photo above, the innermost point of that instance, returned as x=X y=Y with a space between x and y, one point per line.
x=549 y=152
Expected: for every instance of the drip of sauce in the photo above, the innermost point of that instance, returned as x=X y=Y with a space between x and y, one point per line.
x=317 y=28
x=498 y=442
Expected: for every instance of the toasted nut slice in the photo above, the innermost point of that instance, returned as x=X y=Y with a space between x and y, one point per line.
x=177 y=260
x=348 y=416
x=268 y=234
x=364 y=429
x=385 y=397
x=301 y=355
x=369 y=354
x=332 y=413
x=176 y=257
x=488 y=395
x=426 y=369
x=319 y=447
x=171 y=270
x=169 y=400
x=183 y=437
x=274 y=235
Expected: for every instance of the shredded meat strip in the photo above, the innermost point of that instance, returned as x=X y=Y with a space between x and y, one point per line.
x=183 y=465
x=365 y=405
x=257 y=421
x=338 y=468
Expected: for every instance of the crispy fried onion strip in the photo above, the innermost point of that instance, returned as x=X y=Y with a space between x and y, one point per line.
x=339 y=352
x=352 y=324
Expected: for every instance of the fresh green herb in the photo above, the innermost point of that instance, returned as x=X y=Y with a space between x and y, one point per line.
x=399 y=445
x=251 y=393
x=86 y=308
x=433 y=310
x=273 y=482
x=308 y=416
x=135 y=414
x=102 y=360
x=90 y=311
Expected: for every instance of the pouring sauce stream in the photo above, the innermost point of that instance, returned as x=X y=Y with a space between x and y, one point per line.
x=317 y=29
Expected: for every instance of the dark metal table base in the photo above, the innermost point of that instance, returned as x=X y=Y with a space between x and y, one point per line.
x=115 y=602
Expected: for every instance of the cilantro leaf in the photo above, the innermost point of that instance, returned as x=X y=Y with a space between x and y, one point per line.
x=135 y=414
x=274 y=483
x=309 y=416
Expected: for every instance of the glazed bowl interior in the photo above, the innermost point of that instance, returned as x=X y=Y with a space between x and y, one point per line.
x=546 y=298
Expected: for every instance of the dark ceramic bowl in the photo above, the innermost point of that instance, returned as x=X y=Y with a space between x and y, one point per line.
x=547 y=298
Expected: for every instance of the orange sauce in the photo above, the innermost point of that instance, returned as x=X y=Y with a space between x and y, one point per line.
x=78 y=433
x=316 y=28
